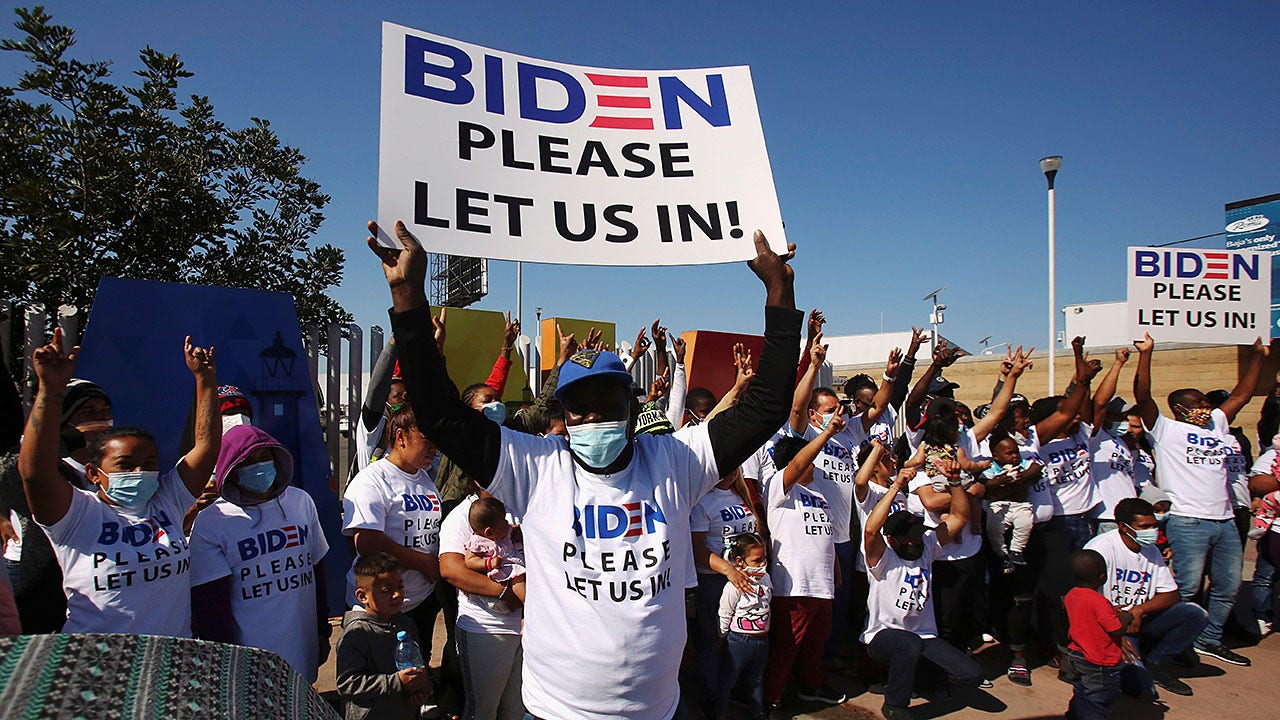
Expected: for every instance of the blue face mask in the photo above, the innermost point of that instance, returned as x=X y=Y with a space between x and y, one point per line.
x=1160 y=517
x=598 y=444
x=1119 y=428
x=258 y=477
x=132 y=489
x=1145 y=537
x=495 y=411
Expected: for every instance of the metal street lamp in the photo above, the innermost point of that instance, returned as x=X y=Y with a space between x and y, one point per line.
x=1049 y=166
x=935 y=316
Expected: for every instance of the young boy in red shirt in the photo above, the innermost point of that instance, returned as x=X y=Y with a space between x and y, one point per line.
x=1097 y=645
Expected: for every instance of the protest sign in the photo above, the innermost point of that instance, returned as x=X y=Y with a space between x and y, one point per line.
x=490 y=154
x=1254 y=225
x=1216 y=297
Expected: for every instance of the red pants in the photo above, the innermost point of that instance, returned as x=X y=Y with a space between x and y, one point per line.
x=800 y=628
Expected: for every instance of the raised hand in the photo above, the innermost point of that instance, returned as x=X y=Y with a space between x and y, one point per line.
x=1146 y=344
x=1122 y=355
x=568 y=345
x=836 y=424
x=658 y=388
x=1261 y=348
x=816 y=321
x=742 y=364
x=1021 y=362
x=510 y=333
x=595 y=340
x=772 y=269
x=54 y=367
x=918 y=337
x=659 y=335
x=438 y=329
x=405 y=269
x=679 y=346
x=894 y=363
x=199 y=360
x=945 y=354
x=818 y=354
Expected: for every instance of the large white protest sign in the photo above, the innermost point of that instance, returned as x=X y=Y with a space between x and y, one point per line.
x=490 y=154
x=1201 y=296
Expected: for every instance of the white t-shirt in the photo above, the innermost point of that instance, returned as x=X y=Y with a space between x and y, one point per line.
x=721 y=514
x=900 y=597
x=1262 y=466
x=405 y=507
x=367 y=440
x=804 y=550
x=270 y=551
x=126 y=571
x=1192 y=471
x=607 y=559
x=1067 y=479
x=864 y=508
x=1237 y=471
x=966 y=545
x=13 y=550
x=1132 y=577
x=1112 y=468
x=475 y=612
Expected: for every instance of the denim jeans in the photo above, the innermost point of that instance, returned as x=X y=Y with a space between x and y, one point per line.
x=1193 y=541
x=745 y=658
x=902 y=652
x=1076 y=529
x=710 y=587
x=844 y=596
x=1171 y=632
x=1096 y=687
x=1264 y=573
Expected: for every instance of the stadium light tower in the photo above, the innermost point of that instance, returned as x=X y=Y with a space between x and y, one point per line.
x=1049 y=166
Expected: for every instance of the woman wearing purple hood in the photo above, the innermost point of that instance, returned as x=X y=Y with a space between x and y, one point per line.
x=257 y=556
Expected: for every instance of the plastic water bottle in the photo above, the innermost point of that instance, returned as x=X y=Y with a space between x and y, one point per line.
x=407 y=653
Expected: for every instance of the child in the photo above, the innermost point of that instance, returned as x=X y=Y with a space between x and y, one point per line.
x=491 y=548
x=1009 y=467
x=744 y=619
x=940 y=444
x=1268 y=511
x=1097 y=647
x=366 y=664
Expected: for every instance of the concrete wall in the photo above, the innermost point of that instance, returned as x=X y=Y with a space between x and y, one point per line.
x=1206 y=367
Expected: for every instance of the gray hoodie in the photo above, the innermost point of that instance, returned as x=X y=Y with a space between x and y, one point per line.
x=367 y=679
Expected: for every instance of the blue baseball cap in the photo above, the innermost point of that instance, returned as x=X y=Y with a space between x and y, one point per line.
x=591 y=363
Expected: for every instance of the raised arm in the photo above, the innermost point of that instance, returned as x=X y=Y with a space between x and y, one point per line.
x=660 y=360
x=465 y=435
x=944 y=355
x=803 y=393
x=48 y=493
x=903 y=383
x=881 y=399
x=196 y=467
x=1107 y=389
x=1142 y=381
x=872 y=540
x=863 y=478
x=679 y=385
x=801 y=463
x=1018 y=363
x=958 y=516
x=739 y=431
x=375 y=399
x=502 y=364
x=1242 y=393
x=1069 y=408
x=742 y=377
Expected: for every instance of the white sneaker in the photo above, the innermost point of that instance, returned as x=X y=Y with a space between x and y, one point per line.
x=1264 y=627
x=988 y=638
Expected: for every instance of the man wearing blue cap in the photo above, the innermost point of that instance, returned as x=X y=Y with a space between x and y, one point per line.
x=606 y=512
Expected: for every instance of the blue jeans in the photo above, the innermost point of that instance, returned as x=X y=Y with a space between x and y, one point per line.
x=1171 y=632
x=1075 y=529
x=745 y=658
x=902 y=652
x=843 y=598
x=710 y=587
x=1264 y=574
x=1193 y=541
x=1096 y=687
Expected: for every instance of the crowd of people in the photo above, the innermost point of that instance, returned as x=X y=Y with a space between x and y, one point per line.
x=594 y=548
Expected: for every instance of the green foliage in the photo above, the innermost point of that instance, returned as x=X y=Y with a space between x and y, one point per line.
x=129 y=181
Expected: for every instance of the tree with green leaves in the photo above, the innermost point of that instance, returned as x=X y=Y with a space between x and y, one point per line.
x=104 y=179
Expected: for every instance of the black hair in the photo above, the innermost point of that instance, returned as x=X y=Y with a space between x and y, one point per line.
x=1088 y=568
x=401 y=419
x=864 y=452
x=861 y=381
x=115 y=433
x=941 y=424
x=700 y=399
x=902 y=450
x=1044 y=407
x=374 y=564
x=1130 y=508
x=1182 y=396
x=472 y=390
x=738 y=545
x=785 y=449
x=486 y=513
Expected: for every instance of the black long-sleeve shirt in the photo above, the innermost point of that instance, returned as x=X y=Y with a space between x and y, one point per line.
x=473 y=442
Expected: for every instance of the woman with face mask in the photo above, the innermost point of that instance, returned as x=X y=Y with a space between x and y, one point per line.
x=123 y=556
x=257 y=556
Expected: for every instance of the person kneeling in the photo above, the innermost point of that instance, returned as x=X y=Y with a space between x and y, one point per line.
x=901 y=629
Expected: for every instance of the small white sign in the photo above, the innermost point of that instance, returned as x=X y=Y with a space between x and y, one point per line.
x=1216 y=297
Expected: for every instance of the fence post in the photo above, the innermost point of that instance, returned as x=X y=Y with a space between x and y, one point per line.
x=35 y=320
x=332 y=403
x=69 y=322
x=355 y=396
x=376 y=342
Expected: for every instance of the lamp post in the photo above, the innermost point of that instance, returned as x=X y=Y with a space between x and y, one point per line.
x=1049 y=166
x=935 y=316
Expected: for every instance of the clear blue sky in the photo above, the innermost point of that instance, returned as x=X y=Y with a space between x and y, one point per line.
x=904 y=137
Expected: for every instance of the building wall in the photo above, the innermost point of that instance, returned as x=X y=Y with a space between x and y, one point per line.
x=1206 y=367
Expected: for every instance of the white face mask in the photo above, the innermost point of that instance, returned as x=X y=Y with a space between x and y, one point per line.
x=230 y=421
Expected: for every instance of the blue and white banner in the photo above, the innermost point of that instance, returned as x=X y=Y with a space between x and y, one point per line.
x=1215 y=297
x=1255 y=225
x=489 y=154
